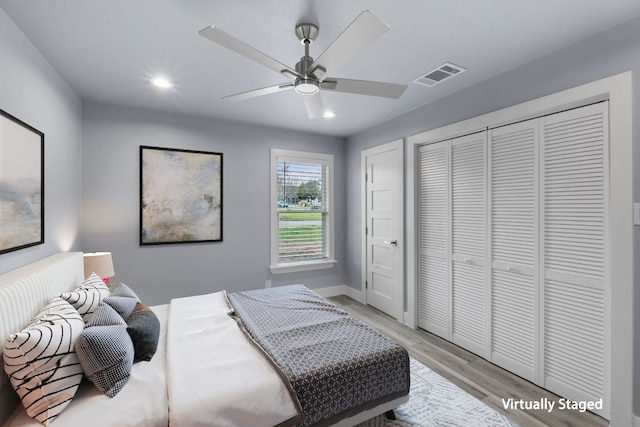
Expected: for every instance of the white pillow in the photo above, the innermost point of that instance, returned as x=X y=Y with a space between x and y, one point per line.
x=88 y=296
x=41 y=362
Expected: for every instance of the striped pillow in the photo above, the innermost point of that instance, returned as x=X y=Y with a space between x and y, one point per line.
x=41 y=362
x=88 y=296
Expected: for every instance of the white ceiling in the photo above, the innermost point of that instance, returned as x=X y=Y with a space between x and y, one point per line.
x=108 y=50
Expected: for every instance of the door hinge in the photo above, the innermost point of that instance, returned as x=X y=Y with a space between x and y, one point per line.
x=366 y=284
x=366 y=230
x=366 y=177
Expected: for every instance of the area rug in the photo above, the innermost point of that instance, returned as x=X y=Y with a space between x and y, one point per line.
x=434 y=401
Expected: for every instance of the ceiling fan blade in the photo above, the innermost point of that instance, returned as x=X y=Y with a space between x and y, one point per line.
x=218 y=36
x=314 y=105
x=360 y=33
x=364 y=87
x=258 y=92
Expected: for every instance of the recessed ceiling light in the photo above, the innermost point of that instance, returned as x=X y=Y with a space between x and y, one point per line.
x=160 y=82
x=328 y=114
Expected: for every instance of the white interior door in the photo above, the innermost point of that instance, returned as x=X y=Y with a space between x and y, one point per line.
x=384 y=276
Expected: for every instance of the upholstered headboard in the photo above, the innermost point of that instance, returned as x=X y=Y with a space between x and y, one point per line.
x=26 y=290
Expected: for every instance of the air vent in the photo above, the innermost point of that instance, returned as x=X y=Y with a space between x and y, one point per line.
x=440 y=74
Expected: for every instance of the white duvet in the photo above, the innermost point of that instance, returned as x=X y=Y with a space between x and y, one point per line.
x=214 y=374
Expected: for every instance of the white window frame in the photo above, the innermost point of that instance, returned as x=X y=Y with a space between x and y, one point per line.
x=329 y=261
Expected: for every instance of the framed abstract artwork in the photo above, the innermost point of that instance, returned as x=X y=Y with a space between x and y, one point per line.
x=21 y=184
x=180 y=196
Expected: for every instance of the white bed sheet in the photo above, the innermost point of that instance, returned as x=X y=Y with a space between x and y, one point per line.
x=215 y=375
x=143 y=401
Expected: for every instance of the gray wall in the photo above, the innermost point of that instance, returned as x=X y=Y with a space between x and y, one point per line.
x=111 y=202
x=31 y=90
x=608 y=53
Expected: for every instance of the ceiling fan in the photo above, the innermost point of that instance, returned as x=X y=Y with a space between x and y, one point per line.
x=310 y=76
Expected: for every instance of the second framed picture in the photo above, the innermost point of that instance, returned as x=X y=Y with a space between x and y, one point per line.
x=180 y=196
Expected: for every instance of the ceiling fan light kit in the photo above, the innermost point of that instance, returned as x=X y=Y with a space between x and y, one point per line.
x=306 y=86
x=309 y=75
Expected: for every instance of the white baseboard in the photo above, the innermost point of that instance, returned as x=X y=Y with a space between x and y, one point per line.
x=355 y=294
x=334 y=291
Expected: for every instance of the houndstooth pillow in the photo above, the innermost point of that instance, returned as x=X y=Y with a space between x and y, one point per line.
x=88 y=296
x=105 y=351
x=41 y=363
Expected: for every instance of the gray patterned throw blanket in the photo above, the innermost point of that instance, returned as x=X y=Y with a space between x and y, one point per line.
x=336 y=364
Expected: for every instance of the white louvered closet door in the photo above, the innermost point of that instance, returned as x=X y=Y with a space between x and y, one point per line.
x=575 y=247
x=434 y=304
x=468 y=240
x=514 y=248
x=513 y=183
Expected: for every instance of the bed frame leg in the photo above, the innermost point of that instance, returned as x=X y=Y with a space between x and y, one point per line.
x=390 y=415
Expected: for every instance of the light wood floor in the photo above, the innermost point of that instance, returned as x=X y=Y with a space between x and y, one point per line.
x=473 y=374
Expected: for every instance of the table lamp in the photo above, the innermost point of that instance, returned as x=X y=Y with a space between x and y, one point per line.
x=99 y=263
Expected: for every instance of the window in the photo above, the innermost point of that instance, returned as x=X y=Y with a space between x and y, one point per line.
x=301 y=211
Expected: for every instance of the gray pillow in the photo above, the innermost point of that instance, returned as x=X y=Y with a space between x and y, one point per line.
x=123 y=300
x=105 y=351
x=143 y=327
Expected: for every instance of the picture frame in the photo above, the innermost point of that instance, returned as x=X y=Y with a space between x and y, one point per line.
x=180 y=196
x=21 y=184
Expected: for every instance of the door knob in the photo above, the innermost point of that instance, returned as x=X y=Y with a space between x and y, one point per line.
x=393 y=242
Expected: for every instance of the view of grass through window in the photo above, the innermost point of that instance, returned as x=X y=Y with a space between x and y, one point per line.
x=301 y=211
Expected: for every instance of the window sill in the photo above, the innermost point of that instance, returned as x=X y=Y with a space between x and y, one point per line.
x=301 y=266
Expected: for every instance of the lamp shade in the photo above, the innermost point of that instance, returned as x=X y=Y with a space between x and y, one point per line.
x=99 y=263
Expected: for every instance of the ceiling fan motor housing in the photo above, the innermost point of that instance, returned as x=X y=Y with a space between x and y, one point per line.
x=304 y=65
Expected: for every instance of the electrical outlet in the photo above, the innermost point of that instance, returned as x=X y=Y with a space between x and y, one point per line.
x=267 y=284
x=636 y=213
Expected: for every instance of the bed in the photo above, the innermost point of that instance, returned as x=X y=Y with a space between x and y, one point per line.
x=252 y=358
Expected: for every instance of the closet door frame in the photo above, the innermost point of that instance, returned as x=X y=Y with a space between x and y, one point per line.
x=618 y=90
